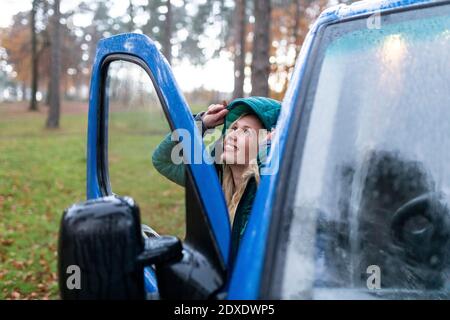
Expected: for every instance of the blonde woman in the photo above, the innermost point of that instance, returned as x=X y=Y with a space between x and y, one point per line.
x=237 y=164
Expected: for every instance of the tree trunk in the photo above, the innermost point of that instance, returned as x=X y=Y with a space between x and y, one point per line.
x=131 y=14
x=296 y=31
x=55 y=68
x=24 y=91
x=239 y=52
x=261 y=49
x=34 y=58
x=296 y=41
x=167 y=46
x=49 y=89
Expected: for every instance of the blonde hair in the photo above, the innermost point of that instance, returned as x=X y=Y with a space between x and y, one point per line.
x=233 y=193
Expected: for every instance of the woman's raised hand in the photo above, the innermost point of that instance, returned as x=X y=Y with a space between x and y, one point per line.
x=215 y=115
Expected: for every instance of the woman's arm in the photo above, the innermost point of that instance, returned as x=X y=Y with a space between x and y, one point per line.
x=161 y=157
x=163 y=163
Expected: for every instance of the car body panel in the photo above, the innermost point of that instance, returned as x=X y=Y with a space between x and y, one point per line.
x=245 y=284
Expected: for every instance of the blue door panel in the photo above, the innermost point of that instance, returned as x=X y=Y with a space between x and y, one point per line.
x=180 y=116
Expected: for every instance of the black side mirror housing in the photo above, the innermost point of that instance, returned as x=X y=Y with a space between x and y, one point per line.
x=102 y=239
x=159 y=250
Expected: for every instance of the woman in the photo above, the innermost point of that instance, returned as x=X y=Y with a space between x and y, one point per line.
x=238 y=166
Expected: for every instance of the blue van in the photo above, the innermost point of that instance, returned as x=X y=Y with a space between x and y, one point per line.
x=357 y=204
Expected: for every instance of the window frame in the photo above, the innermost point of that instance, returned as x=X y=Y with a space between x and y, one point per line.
x=196 y=218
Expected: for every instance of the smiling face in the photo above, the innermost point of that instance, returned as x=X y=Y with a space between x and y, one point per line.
x=241 y=140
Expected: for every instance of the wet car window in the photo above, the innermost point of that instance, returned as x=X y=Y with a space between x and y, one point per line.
x=136 y=126
x=371 y=217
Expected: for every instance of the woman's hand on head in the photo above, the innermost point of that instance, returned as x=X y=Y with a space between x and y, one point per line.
x=215 y=115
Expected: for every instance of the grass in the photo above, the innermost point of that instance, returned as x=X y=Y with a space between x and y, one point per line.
x=43 y=171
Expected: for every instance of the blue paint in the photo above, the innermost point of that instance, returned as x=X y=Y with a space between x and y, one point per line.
x=150 y=283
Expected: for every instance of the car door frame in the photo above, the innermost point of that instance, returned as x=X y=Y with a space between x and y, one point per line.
x=140 y=49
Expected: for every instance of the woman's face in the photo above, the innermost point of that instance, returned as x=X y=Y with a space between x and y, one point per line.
x=241 y=140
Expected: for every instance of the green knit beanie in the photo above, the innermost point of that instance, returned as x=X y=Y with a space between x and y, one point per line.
x=266 y=109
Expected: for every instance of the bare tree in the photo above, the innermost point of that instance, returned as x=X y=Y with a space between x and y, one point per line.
x=296 y=39
x=34 y=58
x=296 y=32
x=55 y=68
x=166 y=45
x=132 y=14
x=261 y=49
x=239 y=51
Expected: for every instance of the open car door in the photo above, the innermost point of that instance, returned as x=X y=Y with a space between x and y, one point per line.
x=102 y=237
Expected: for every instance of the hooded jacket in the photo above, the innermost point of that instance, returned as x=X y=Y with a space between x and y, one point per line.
x=267 y=110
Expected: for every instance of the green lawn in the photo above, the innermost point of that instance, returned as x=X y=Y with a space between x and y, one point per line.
x=43 y=171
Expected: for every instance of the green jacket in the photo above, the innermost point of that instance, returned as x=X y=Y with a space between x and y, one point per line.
x=267 y=111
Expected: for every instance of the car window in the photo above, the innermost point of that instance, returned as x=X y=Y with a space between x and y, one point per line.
x=371 y=216
x=136 y=126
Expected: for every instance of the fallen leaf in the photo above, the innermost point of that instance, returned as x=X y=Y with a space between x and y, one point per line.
x=18 y=264
x=7 y=242
x=15 y=295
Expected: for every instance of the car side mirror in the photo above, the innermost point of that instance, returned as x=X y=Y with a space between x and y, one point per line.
x=101 y=239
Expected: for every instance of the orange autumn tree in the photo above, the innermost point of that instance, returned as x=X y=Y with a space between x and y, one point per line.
x=17 y=42
x=291 y=22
